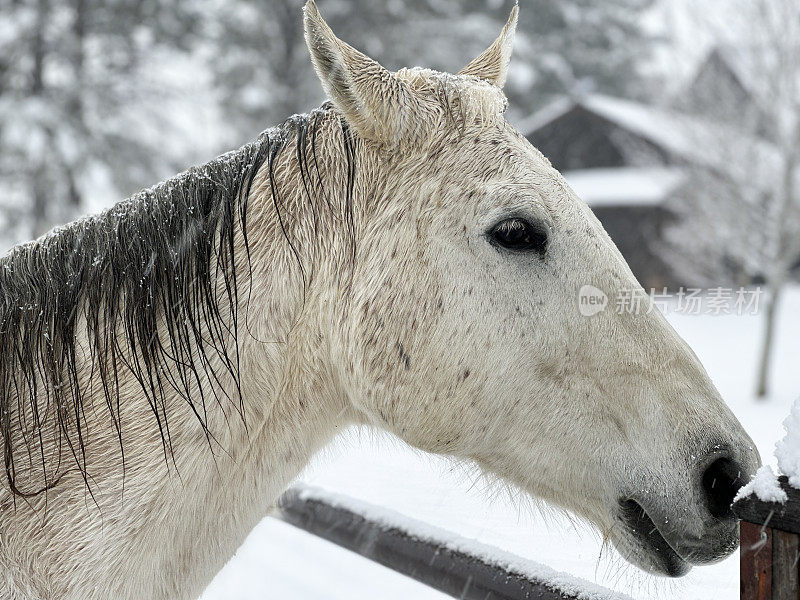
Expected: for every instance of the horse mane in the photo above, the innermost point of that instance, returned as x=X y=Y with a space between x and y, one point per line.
x=155 y=281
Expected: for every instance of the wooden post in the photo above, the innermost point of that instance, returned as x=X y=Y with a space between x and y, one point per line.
x=755 y=562
x=770 y=545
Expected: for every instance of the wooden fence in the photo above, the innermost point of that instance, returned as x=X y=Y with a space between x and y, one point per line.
x=769 y=552
x=770 y=547
x=435 y=563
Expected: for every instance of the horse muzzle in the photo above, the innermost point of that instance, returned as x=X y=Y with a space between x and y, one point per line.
x=668 y=534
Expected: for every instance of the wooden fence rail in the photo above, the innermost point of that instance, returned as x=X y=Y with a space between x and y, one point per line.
x=770 y=536
x=770 y=548
x=455 y=572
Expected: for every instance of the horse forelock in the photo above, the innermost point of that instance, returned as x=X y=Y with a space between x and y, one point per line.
x=464 y=100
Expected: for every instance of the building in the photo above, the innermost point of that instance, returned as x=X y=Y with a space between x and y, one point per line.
x=631 y=163
x=631 y=204
x=721 y=90
x=625 y=160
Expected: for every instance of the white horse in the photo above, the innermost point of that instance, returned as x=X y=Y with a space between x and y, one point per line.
x=401 y=258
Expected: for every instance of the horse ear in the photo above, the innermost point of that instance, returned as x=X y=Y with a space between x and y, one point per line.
x=492 y=64
x=373 y=101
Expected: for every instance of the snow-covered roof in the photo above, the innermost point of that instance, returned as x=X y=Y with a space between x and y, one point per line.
x=671 y=130
x=693 y=139
x=549 y=113
x=738 y=59
x=665 y=128
x=626 y=186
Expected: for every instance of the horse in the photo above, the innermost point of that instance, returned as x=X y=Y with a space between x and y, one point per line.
x=401 y=258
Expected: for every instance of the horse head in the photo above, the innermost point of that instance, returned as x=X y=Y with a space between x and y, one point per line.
x=465 y=332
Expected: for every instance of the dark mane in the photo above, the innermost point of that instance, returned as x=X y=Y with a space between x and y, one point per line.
x=159 y=258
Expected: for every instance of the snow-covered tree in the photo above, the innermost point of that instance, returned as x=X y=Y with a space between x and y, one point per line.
x=776 y=28
x=101 y=97
x=579 y=46
x=262 y=68
x=743 y=215
x=561 y=47
x=87 y=102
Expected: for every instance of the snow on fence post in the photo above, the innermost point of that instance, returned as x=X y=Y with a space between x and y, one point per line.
x=770 y=546
x=456 y=566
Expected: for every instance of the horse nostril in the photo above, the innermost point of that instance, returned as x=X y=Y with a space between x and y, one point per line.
x=721 y=481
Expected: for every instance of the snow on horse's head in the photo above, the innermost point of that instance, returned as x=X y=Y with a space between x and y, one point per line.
x=403 y=258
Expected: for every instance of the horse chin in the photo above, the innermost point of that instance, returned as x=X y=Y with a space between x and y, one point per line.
x=642 y=544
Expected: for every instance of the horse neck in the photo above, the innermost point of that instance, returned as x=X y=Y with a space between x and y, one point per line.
x=202 y=501
x=201 y=514
x=204 y=511
x=293 y=396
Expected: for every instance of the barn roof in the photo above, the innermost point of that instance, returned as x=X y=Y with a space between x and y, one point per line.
x=737 y=61
x=670 y=130
x=627 y=186
x=693 y=140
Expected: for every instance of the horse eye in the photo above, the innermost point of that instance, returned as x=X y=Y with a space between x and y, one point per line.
x=520 y=235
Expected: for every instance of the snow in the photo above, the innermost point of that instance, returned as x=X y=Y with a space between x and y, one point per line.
x=380 y=470
x=787 y=451
x=663 y=127
x=280 y=561
x=644 y=186
x=765 y=486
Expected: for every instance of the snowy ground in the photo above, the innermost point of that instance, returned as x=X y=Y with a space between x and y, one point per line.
x=278 y=561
